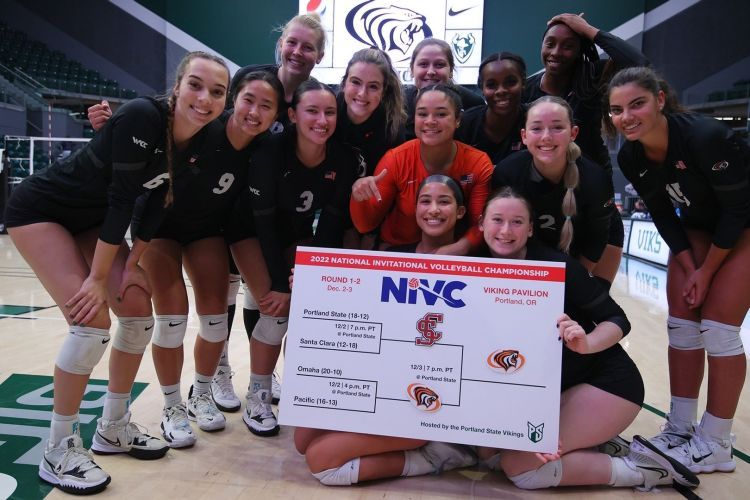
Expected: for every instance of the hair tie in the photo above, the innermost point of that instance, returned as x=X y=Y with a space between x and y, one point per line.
x=567 y=218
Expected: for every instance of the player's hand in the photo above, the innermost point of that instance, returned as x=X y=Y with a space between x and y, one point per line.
x=275 y=304
x=572 y=334
x=291 y=279
x=98 y=114
x=696 y=288
x=550 y=457
x=85 y=304
x=367 y=187
x=133 y=276
x=577 y=23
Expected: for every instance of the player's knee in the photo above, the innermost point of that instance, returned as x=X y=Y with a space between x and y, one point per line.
x=721 y=339
x=213 y=327
x=82 y=349
x=546 y=476
x=270 y=329
x=235 y=280
x=345 y=475
x=133 y=334
x=169 y=331
x=684 y=335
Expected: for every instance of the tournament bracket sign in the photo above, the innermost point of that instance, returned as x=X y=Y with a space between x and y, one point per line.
x=397 y=26
x=443 y=348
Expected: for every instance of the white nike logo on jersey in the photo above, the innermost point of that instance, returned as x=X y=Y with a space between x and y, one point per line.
x=643 y=173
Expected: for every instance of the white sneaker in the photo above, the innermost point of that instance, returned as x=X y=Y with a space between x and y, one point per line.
x=175 y=427
x=657 y=467
x=124 y=436
x=448 y=456
x=706 y=454
x=275 y=389
x=672 y=436
x=259 y=416
x=615 y=447
x=70 y=467
x=202 y=410
x=223 y=390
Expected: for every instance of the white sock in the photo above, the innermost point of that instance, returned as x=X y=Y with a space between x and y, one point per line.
x=683 y=412
x=172 y=395
x=624 y=474
x=259 y=382
x=415 y=464
x=717 y=428
x=116 y=405
x=201 y=384
x=62 y=426
x=224 y=359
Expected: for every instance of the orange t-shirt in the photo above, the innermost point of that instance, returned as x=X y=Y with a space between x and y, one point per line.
x=471 y=169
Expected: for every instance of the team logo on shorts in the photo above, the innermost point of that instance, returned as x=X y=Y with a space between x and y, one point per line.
x=535 y=432
x=423 y=397
x=391 y=28
x=463 y=46
x=506 y=361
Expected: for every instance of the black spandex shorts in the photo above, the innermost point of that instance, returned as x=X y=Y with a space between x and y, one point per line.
x=28 y=204
x=241 y=224
x=613 y=372
x=187 y=231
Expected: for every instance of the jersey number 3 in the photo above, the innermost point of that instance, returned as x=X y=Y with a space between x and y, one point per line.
x=307 y=200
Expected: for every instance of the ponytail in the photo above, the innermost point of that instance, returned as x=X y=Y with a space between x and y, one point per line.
x=169 y=198
x=569 y=209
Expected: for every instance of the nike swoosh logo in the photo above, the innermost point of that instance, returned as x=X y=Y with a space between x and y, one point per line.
x=704 y=331
x=149 y=327
x=211 y=323
x=279 y=322
x=662 y=472
x=175 y=324
x=452 y=12
x=641 y=174
x=104 y=341
x=170 y=393
x=113 y=443
x=698 y=459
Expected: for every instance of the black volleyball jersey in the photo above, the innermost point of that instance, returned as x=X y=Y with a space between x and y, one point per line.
x=370 y=138
x=587 y=110
x=588 y=303
x=206 y=187
x=126 y=158
x=705 y=173
x=294 y=203
x=471 y=132
x=594 y=202
x=468 y=100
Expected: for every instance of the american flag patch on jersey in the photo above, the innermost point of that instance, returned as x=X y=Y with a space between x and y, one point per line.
x=466 y=179
x=330 y=175
x=680 y=165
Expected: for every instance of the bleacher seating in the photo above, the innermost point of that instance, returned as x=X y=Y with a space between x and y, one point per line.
x=51 y=68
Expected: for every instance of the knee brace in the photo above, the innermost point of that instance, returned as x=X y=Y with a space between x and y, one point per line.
x=345 y=475
x=249 y=300
x=133 y=334
x=82 y=349
x=213 y=327
x=234 y=287
x=270 y=329
x=170 y=330
x=546 y=476
x=721 y=339
x=684 y=335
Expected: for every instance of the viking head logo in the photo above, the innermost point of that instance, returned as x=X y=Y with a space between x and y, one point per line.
x=535 y=432
x=388 y=27
x=506 y=360
x=423 y=397
x=463 y=46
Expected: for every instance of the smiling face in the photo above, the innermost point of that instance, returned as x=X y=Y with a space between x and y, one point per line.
x=635 y=111
x=299 y=50
x=363 y=91
x=201 y=92
x=431 y=66
x=436 y=118
x=506 y=225
x=255 y=107
x=560 y=50
x=547 y=135
x=437 y=210
x=315 y=116
x=502 y=84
